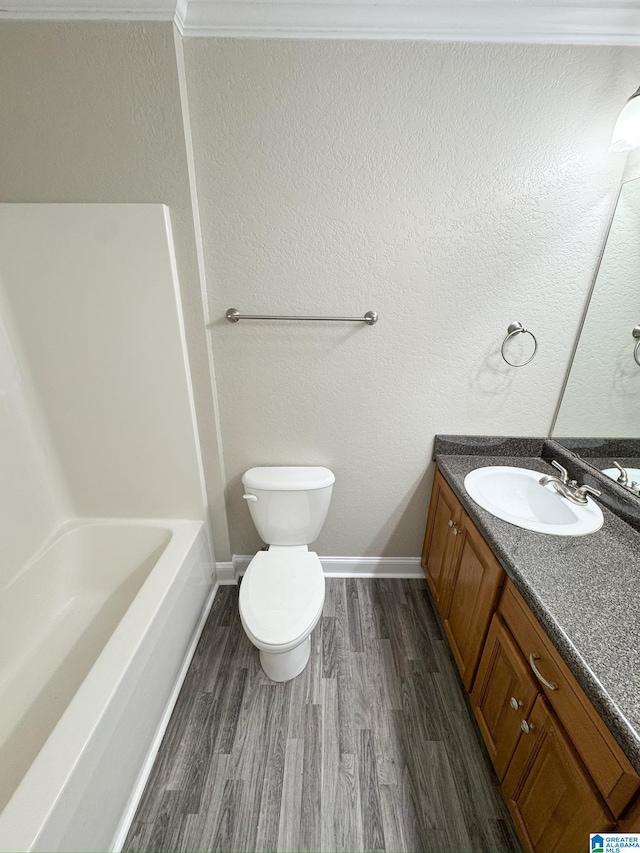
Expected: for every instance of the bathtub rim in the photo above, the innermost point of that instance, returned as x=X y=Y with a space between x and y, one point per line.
x=69 y=526
x=33 y=801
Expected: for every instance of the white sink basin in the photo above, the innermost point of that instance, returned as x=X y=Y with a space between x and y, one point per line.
x=516 y=496
x=632 y=473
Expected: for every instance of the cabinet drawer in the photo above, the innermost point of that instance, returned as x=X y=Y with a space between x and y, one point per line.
x=607 y=764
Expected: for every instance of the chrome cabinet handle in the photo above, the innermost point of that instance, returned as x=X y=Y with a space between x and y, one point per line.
x=515 y=703
x=450 y=522
x=455 y=531
x=533 y=657
x=526 y=727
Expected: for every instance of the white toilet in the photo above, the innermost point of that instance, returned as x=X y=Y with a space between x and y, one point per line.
x=282 y=591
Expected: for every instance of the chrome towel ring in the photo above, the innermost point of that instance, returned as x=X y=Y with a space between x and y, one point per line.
x=518 y=328
x=636 y=334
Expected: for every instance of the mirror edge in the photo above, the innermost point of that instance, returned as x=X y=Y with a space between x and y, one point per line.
x=576 y=342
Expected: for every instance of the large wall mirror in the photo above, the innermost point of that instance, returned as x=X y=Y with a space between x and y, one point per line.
x=599 y=414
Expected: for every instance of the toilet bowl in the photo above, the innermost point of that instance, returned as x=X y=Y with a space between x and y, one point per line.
x=282 y=592
x=281 y=600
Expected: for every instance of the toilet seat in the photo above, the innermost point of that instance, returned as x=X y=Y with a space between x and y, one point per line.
x=281 y=598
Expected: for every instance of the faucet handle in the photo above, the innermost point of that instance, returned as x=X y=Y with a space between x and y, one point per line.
x=583 y=491
x=564 y=474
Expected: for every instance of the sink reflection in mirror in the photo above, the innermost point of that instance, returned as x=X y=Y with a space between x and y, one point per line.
x=598 y=417
x=625 y=476
x=517 y=496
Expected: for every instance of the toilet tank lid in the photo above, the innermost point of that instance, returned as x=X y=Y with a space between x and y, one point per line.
x=289 y=478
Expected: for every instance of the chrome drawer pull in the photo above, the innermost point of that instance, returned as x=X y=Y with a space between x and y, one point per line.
x=550 y=684
x=526 y=727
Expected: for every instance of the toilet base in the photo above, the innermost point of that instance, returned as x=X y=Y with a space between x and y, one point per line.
x=285 y=666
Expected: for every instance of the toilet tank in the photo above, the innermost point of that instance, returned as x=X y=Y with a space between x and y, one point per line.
x=291 y=502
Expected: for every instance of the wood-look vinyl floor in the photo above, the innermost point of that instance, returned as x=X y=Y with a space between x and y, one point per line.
x=372 y=748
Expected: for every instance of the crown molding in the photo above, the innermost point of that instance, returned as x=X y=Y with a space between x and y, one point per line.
x=87 y=10
x=588 y=22
x=612 y=22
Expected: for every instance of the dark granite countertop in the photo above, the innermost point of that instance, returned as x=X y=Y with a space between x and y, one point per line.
x=584 y=590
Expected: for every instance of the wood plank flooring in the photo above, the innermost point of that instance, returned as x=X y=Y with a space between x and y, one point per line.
x=371 y=748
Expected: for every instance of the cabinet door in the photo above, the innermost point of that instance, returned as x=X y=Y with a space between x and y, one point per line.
x=468 y=597
x=503 y=694
x=631 y=820
x=608 y=765
x=552 y=799
x=445 y=511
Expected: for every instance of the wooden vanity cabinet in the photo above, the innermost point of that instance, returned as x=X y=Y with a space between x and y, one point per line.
x=562 y=772
x=605 y=761
x=464 y=576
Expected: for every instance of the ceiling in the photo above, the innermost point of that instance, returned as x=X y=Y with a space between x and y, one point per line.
x=527 y=21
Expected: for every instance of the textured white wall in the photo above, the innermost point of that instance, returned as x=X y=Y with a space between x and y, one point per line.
x=91 y=112
x=454 y=189
x=92 y=292
x=602 y=397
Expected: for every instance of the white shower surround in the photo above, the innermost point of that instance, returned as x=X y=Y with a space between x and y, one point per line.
x=97 y=619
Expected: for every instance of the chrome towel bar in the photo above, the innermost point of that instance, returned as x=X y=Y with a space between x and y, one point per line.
x=233 y=315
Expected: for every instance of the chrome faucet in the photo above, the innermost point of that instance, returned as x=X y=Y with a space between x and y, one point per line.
x=569 y=489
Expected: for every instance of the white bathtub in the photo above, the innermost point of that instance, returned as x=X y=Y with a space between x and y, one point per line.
x=94 y=634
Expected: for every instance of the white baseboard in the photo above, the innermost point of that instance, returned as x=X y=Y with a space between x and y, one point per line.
x=337 y=567
x=372 y=567
x=226 y=573
x=145 y=772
